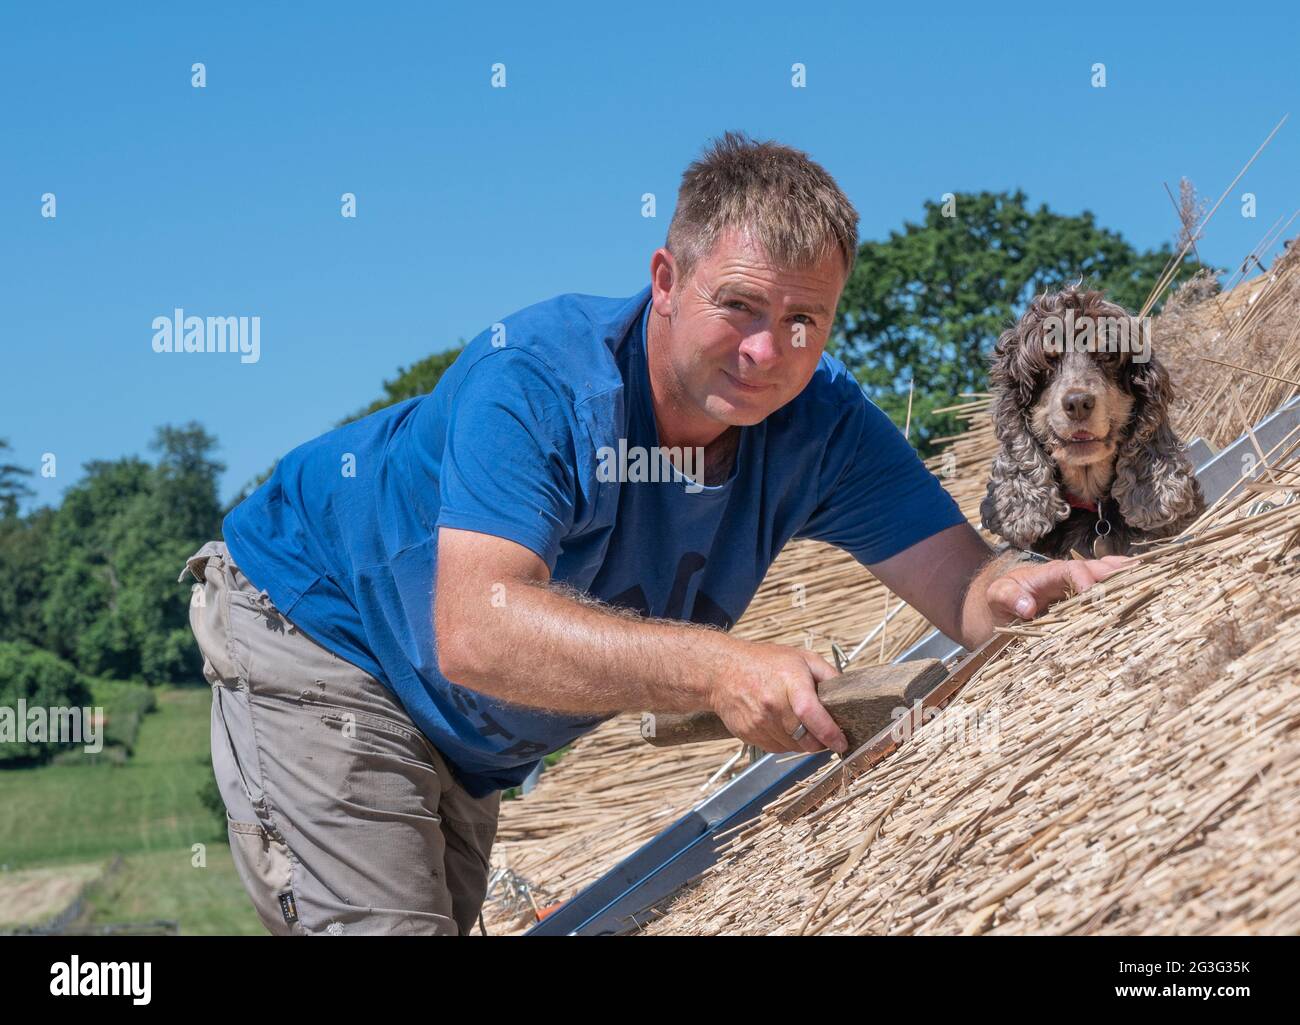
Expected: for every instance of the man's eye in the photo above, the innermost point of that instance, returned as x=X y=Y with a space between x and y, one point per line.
x=736 y=304
x=806 y=320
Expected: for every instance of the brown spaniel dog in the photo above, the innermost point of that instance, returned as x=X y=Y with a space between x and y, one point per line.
x=1087 y=460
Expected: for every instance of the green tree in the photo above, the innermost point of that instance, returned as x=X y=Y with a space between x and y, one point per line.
x=185 y=479
x=113 y=606
x=82 y=609
x=12 y=488
x=925 y=306
x=23 y=541
x=42 y=680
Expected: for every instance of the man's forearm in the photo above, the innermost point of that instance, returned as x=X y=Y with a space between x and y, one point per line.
x=546 y=646
x=954 y=580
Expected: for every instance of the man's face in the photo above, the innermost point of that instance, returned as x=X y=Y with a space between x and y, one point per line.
x=744 y=336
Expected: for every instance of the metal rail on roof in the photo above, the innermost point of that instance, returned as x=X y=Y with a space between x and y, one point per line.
x=1219 y=475
x=622 y=899
x=658 y=869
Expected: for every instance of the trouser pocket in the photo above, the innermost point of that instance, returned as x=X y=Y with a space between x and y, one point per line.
x=261 y=855
x=235 y=760
x=210 y=613
x=265 y=867
x=234 y=755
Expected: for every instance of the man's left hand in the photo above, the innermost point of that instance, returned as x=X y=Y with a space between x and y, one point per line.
x=1026 y=591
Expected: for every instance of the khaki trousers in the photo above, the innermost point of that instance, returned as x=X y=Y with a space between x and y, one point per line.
x=343 y=818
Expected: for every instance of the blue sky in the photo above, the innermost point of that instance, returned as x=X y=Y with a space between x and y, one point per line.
x=474 y=201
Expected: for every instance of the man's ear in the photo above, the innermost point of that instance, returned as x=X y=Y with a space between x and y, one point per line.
x=665 y=282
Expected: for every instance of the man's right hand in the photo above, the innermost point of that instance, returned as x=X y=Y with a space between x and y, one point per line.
x=763 y=695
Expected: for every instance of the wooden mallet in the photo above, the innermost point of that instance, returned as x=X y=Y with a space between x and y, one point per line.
x=861 y=701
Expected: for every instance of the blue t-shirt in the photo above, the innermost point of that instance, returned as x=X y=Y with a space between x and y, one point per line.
x=518 y=440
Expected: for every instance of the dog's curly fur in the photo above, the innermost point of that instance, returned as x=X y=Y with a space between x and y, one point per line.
x=1138 y=471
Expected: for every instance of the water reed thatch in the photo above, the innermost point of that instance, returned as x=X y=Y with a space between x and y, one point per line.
x=1233 y=355
x=1132 y=769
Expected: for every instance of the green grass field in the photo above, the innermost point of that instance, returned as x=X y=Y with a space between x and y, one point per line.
x=164 y=886
x=147 y=810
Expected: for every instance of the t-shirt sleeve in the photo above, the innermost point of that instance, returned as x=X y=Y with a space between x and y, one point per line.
x=511 y=459
x=880 y=497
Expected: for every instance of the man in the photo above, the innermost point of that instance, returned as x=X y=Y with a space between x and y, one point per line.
x=417 y=607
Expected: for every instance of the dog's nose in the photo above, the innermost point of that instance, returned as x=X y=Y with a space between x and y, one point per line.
x=1078 y=404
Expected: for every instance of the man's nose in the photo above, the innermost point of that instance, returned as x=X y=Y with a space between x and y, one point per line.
x=762 y=348
x=1078 y=403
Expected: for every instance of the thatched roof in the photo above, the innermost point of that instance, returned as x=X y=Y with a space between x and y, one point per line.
x=1133 y=769
x=613 y=792
x=1254 y=325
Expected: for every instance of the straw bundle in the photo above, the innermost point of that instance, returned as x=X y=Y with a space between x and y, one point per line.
x=1242 y=347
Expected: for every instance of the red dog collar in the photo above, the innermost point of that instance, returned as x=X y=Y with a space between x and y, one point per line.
x=1079 y=503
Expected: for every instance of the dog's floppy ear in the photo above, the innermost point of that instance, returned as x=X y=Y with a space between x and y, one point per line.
x=1155 y=485
x=1023 y=502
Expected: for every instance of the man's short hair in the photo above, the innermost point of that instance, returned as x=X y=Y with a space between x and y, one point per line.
x=789 y=203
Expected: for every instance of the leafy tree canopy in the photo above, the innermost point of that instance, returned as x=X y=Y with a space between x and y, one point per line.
x=12 y=488
x=926 y=305
x=112 y=551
